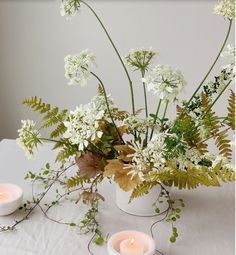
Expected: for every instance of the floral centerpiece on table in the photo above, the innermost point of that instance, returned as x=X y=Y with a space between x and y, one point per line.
x=137 y=152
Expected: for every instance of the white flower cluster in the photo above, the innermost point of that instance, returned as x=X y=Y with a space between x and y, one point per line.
x=191 y=156
x=216 y=159
x=69 y=8
x=229 y=54
x=137 y=124
x=225 y=8
x=29 y=138
x=166 y=82
x=77 y=67
x=139 y=59
x=99 y=103
x=83 y=125
x=149 y=158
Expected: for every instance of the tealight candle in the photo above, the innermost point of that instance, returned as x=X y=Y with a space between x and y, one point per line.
x=130 y=242
x=5 y=197
x=131 y=247
x=10 y=198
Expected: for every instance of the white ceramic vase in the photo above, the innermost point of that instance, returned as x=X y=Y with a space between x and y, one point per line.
x=141 y=206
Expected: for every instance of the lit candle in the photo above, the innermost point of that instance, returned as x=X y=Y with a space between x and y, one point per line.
x=5 y=196
x=10 y=198
x=131 y=247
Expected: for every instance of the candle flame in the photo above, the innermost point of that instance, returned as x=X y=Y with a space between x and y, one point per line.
x=132 y=241
x=1 y=193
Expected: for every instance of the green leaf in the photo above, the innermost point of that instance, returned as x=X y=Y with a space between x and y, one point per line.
x=46 y=172
x=173 y=239
x=73 y=224
x=178 y=210
x=99 y=240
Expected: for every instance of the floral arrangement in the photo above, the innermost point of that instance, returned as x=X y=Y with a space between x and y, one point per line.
x=137 y=152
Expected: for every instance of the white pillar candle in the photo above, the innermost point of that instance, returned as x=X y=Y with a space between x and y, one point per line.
x=131 y=247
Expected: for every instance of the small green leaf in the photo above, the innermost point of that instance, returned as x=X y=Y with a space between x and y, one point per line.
x=178 y=210
x=157 y=210
x=72 y=224
x=175 y=234
x=46 y=172
x=173 y=239
x=99 y=240
x=98 y=231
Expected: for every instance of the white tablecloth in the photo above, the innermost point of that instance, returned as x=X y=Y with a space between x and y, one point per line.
x=206 y=226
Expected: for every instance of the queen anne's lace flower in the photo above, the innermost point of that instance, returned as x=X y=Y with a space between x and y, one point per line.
x=137 y=124
x=225 y=8
x=191 y=156
x=99 y=103
x=29 y=138
x=69 y=8
x=149 y=158
x=83 y=125
x=139 y=59
x=77 y=67
x=165 y=82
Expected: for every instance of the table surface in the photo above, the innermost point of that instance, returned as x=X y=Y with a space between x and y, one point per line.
x=206 y=226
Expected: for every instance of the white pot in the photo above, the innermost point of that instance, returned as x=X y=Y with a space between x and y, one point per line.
x=141 y=206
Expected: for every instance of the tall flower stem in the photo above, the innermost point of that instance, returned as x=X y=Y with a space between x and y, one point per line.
x=217 y=57
x=146 y=103
x=164 y=114
x=108 y=107
x=145 y=94
x=155 y=118
x=117 y=52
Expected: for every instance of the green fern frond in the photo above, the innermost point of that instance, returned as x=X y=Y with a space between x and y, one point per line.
x=37 y=105
x=65 y=153
x=142 y=189
x=224 y=174
x=52 y=113
x=52 y=116
x=210 y=119
x=185 y=126
x=74 y=181
x=223 y=144
x=230 y=119
x=60 y=129
x=190 y=178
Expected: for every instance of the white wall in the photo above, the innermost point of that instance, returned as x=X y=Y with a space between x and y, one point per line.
x=35 y=39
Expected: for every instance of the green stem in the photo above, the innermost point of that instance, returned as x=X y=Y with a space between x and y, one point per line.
x=108 y=107
x=49 y=140
x=164 y=114
x=155 y=118
x=213 y=103
x=145 y=95
x=117 y=52
x=146 y=105
x=217 y=57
